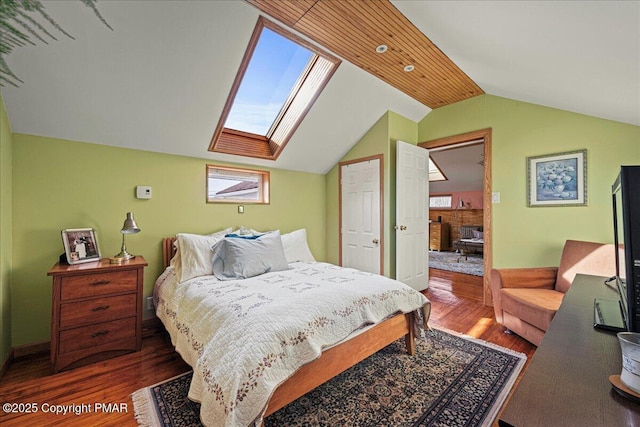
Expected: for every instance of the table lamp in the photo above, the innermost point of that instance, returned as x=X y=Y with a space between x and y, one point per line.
x=129 y=227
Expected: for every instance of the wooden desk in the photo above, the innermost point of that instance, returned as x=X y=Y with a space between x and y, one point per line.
x=567 y=382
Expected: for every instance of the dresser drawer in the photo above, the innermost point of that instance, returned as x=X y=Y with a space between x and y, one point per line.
x=104 y=283
x=94 y=336
x=97 y=310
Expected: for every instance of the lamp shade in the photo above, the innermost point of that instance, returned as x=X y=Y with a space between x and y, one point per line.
x=130 y=226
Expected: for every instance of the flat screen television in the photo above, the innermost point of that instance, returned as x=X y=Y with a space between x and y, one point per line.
x=626 y=228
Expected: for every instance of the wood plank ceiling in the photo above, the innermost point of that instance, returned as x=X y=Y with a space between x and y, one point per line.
x=353 y=30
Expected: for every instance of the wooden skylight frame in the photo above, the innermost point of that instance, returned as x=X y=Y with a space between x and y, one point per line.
x=305 y=92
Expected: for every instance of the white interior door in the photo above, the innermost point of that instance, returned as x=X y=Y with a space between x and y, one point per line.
x=360 y=190
x=412 y=215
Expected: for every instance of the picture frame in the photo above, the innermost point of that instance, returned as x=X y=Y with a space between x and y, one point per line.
x=557 y=179
x=81 y=245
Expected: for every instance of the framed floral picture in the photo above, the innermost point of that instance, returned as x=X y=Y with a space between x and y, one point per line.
x=80 y=245
x=557 y=179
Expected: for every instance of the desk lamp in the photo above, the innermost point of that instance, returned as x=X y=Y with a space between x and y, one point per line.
x=129 y=227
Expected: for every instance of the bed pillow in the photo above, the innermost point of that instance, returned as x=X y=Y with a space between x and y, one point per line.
x=238 y=258
x=296 y=247
x=193 y=254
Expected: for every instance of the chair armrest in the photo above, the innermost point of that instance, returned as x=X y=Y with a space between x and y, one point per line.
x=540 y=277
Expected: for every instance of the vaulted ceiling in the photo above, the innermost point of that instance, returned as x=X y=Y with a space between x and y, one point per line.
x=354 y=29
x=159 y=81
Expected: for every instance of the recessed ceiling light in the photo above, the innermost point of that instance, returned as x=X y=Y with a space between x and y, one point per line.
x=409 y=68
x=382 y=48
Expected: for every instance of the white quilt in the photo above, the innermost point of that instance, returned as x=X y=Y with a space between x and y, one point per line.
x=243 y=338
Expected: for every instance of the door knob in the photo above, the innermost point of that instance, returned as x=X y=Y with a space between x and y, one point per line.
x=403 y=227
x=375 y=241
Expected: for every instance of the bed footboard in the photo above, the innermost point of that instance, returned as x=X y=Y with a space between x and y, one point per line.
x=341 y=357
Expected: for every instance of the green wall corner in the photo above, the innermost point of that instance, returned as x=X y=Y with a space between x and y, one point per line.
x=60 y=184
x=6 y=231
x=380 y=139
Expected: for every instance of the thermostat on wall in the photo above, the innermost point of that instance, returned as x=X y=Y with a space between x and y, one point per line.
x=143 y=192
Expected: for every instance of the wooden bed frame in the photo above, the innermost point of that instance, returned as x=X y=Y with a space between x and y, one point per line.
x=334 y=360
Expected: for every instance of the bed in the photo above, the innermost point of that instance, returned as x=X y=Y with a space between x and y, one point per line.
x=273 y=341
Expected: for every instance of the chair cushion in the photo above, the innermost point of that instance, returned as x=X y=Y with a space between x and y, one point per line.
x=535 y=306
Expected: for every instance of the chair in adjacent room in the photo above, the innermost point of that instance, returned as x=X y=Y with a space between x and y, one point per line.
x=526 y=299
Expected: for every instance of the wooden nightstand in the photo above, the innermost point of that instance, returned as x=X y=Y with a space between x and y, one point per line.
x=96 y=311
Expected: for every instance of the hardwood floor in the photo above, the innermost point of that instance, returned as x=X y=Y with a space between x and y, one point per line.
x=88 y=390
x=462 y=285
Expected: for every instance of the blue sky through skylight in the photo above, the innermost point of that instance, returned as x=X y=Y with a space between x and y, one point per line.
x=274 y=68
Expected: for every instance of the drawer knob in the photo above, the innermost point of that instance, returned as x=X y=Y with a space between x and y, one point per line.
x=100 y=307
x=101 y=282
x=99 y=333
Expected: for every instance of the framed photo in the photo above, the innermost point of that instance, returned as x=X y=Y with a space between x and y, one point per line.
x=80 y=245
x=557 y=179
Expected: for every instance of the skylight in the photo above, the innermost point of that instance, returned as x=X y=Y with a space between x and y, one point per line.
x=435 y=174
x=276 y=65
x=279 y=79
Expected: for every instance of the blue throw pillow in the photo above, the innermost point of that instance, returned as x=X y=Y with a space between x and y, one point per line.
x=240 y=258
x=240 y=236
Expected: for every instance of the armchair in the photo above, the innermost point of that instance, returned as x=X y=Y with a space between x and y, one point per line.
x=525 y=300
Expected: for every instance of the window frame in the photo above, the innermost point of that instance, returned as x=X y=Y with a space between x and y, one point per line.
x=238 y=142
x=450 y=196
x=264 y=178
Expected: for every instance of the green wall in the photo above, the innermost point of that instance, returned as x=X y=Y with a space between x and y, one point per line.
x=380 y=139
x=5 y=233
x=61 y=184
x=524 y=236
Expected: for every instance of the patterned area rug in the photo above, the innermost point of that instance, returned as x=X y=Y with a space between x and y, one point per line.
x=451 y=381
x=452 y=261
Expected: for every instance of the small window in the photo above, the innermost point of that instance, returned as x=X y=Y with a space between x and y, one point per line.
x=440 y=201
x=280 y=77
x=233 y=185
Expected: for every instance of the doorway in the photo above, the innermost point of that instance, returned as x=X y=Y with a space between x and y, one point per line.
x=481 y=136
x=361 y=214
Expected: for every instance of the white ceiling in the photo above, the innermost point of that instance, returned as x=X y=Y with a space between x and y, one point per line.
x=460 y=166
x=580 y=56
x=159 y=81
